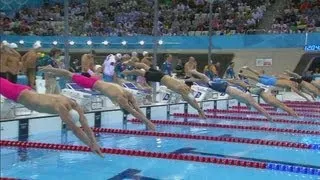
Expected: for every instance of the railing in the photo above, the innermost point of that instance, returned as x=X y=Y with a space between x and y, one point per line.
x=175 y=42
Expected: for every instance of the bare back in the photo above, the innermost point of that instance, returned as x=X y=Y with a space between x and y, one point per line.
x=111 y=90
x=29 y=59
x=87 y=63
x=188 y=67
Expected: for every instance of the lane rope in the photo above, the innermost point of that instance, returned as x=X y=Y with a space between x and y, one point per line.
x=255 y=112
x=170 y=156
x=253 y=128
x=237 y=118
x=271 y=108
x=285 y=144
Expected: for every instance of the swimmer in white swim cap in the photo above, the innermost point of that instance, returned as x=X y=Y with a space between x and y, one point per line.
x=113 y=91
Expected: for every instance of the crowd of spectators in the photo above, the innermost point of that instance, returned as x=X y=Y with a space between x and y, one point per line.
x=298 y=17
x=176 y=17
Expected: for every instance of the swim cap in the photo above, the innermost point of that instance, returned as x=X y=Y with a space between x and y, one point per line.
x=75 y=117
x=13 y=45
x=145 y=53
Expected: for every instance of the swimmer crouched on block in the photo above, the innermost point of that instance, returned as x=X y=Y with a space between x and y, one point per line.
x=52 y=104
x=115 y=92
x=153 y=75
x=223 y=86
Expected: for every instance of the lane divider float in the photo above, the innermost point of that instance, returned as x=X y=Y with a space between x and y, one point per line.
x=285 y=144
x=237 y=118
x=253 y=128
x=170 y=156
x=271 y=108
x=255 y=112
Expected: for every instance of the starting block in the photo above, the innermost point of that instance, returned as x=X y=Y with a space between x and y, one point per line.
x=88 y=99
x=202 y=92
x=140 y=95
x=165 y=95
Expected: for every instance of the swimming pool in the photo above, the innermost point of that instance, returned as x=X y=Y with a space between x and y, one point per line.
x=201 y=151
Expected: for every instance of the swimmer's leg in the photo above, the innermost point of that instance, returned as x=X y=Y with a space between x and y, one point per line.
x=188 y=96
x=136 y=72
x=124 y=103
x=248 y=99
x=273 y=101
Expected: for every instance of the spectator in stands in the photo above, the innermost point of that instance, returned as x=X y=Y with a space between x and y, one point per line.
x=166 y=67
x=230 y=72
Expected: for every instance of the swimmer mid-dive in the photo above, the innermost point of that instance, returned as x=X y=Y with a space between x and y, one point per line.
x=265 y=95
x=115 y=92
x=223 y=86
x=305 y=83
x=153 y=75
x=273 y=81
x=52 y=104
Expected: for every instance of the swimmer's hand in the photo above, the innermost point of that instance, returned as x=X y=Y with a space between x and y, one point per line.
x=96 y=149
x=151 y=127
x=202 y=115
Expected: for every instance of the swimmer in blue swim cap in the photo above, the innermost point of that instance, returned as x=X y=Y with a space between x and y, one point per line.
x=222 y=86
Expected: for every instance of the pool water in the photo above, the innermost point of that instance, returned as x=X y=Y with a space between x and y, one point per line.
x=48 y=164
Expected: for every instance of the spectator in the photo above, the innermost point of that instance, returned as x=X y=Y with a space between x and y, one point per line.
x=166 y=67
x=108 y=68
x=230 y=72
x=52 y=87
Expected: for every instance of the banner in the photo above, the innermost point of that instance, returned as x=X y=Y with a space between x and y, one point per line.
x=263 y=62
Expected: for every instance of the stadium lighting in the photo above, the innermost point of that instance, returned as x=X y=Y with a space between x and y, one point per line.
x=55 y=43
x=124 y=43
x=71 y=43
x=105 y=43
x=89 y=43
x=160 y=42
x=21 y=42
x=141 y=43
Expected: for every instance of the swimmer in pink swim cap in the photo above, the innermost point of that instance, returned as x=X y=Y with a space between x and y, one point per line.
x=51 y=104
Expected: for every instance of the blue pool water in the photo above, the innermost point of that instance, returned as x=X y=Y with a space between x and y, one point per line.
x=46 y=164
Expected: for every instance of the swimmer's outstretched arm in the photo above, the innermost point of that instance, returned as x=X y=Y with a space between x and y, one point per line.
x=137 y=65
x=251 y=70
x=191 y=100
x=203 y=77
x=40 y=102
x=293 y=74
x=273 y=101
x=255 y=78
x=247 y=99
x=57 y=71
x=84 y=124
x=299 y=93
